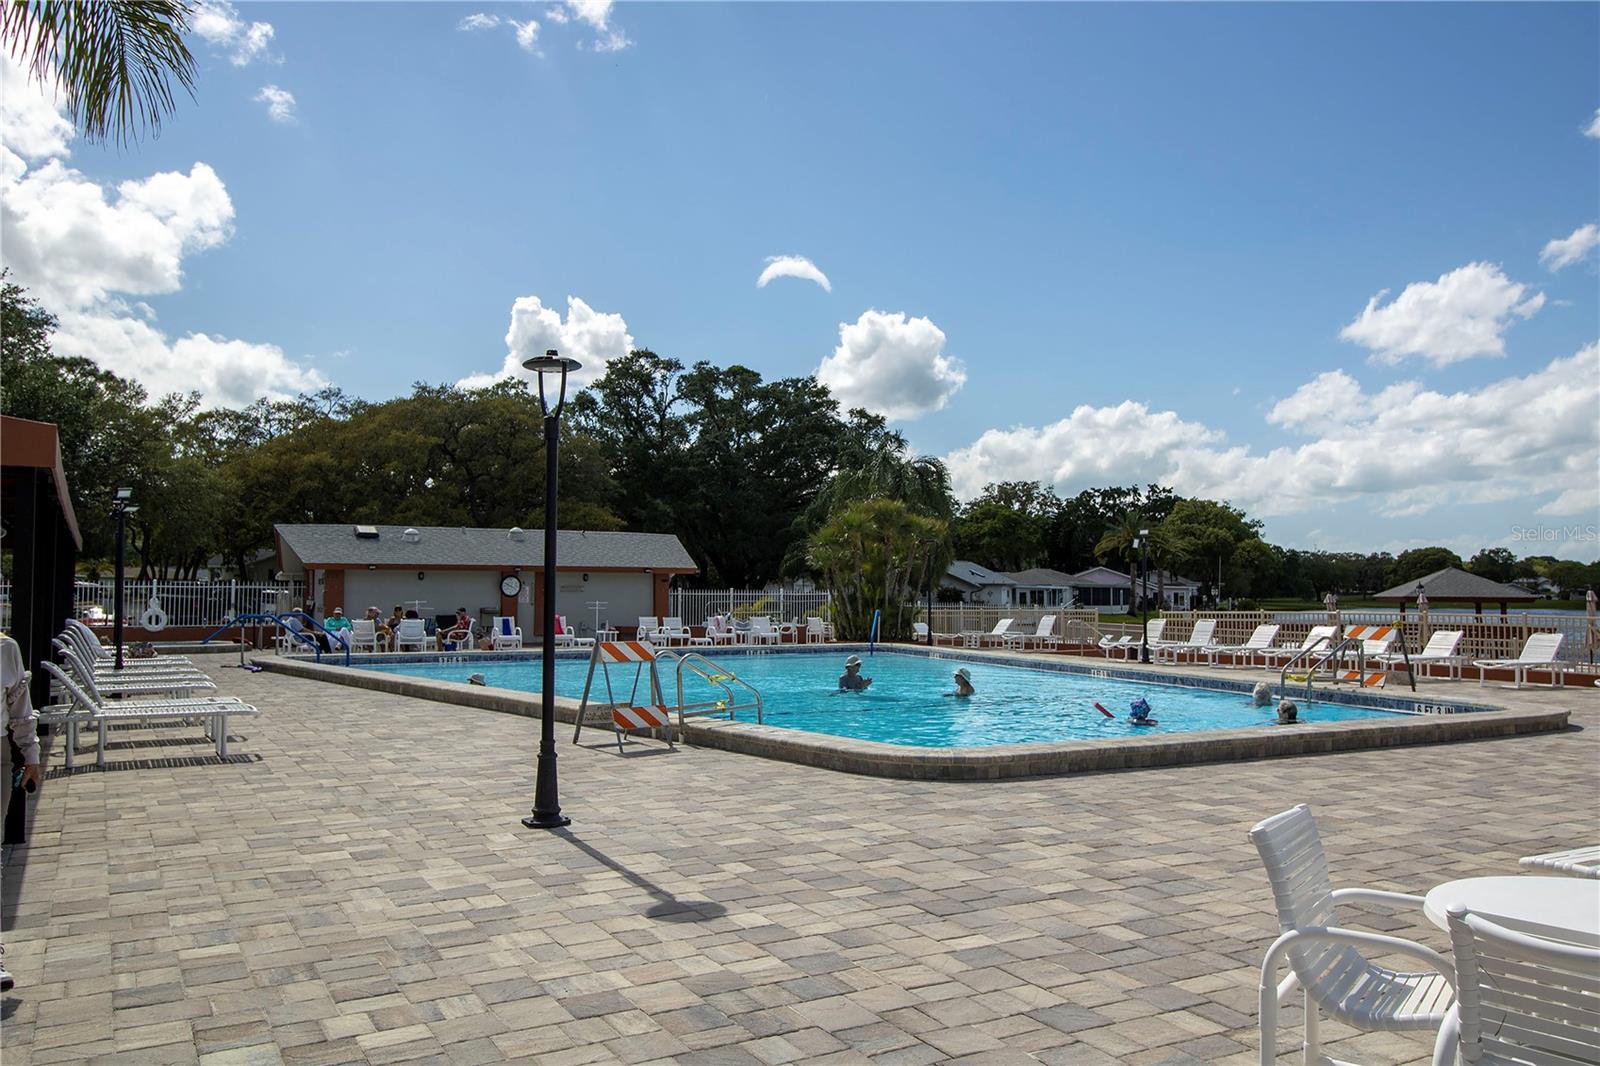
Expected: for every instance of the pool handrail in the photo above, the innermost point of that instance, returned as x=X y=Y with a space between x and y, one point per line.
x=719 y=677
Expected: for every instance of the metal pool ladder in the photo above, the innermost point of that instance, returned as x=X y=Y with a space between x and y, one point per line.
x=720 y=678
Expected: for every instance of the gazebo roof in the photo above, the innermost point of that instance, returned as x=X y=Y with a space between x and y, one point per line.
x=1453 y=584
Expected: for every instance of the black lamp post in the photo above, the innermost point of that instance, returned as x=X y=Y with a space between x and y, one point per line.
x=1142 y=542
x=546 y=803
x=120 y=510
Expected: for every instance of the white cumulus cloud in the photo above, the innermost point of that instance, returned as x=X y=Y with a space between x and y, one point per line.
x=593 y=338
x=1593 y=128
x=280 y=103
x=218 y=23
x=1463 y=314
x=1405 y=449
x=793 y=266
x=1564 y=251
x=478 y=21
x=83 y=249
x=527 y=35
x=597 y=15
x=893 y=365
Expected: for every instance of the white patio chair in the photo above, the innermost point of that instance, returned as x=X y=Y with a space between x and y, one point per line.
x=1317 y=637
x=673 y=631
x=1120 y=645
x=567 y=635
x=1539 y=652
x=1324 y=956
x=364 y=635
x=413 y=633
x=919 y=631
x=974 y=638
x=1521 y=998
x=1578 y=862
x=761 y=631
x=718 y=631
x=1198 y=640
x=1259 y=641
x=1442 y=647
x=506 y=634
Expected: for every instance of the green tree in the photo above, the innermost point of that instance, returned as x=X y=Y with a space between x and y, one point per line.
x=1212 y=533
x=999 y=537
x=1119 y=544
x=875 y=555
x=1420 y=562
x=113 y=61
x=1496 y=564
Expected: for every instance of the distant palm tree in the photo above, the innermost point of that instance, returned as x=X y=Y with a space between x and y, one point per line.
x=1118 y=543
x=114 y=61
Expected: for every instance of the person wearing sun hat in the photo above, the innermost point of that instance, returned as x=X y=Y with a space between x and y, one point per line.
x=963 y=683
x=851 y=680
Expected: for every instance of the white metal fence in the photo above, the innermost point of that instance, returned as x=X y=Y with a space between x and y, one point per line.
x=694 y=606
x=183 y=603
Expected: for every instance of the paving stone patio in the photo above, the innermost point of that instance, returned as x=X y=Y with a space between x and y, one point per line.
x=355 y=887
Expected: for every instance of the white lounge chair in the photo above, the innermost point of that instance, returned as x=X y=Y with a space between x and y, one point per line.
x=1198 y=640
x=412 y=633
x=1324 y=956
x=1521 y=998
x=1577 y=862
x=1538 y=653
x=919 y=631
x=1120 y=645
x=649 y=625
x=214 y=710
x=506 y=634
x=761 y=631
x=114 y=684
x=1442 y=647
x=817 y=631
x=1043 y=635
x=974 y=638
x=672 y=631
x=1318 y=636
x=567 y=635
x=1259 y=642
x=96 y=652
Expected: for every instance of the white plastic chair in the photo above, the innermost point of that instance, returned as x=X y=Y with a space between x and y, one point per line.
x=1199 y=639
x=364 y=635
x=1442 y=647
x=506 y=633
x=817 y=632
x=761 y=631
x=1540 y=651
x=1576 y=862
x=1522 y=999
x=413 y=632
x=1323 y=955
x=673 y=631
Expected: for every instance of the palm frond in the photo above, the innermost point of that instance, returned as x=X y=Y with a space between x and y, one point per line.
x=114 y=61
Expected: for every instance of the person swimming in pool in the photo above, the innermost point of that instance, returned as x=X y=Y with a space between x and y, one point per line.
x=1139 y=712
x=963 y=683
x=851 y=680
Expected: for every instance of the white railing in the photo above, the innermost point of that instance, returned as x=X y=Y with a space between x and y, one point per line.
x=185 y=603
x=694 y=606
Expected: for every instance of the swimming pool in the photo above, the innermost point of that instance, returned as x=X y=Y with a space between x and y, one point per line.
x=906 y=704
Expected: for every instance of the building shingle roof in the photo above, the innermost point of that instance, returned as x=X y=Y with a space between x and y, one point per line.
x=975 y=575
x=338 y=546
x=1453 y=584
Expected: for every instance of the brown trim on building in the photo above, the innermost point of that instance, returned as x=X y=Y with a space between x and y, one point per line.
x=661 y=600
x=24 y=442
x=538 y=603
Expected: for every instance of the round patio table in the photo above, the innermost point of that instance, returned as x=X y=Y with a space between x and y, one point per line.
x=1557 y=908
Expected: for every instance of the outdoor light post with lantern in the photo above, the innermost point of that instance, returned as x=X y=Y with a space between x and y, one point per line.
x=546 y=802
x=120 y=510
x=1143 y=544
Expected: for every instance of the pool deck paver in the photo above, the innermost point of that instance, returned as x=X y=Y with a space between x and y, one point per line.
x=355 y=887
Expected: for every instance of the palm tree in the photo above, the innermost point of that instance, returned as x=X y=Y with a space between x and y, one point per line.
x=113 y=60
x=1118 y=543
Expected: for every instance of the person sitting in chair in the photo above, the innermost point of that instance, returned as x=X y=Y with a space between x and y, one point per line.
x=458 y=635
x=851 y=680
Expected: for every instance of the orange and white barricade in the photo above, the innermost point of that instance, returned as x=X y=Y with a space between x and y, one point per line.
x=1375 y=641
x=639 y=711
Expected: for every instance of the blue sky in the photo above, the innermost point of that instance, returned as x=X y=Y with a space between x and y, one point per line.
x=1177 y=207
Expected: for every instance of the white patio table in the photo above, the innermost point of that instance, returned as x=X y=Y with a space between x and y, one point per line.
x=1566 y=909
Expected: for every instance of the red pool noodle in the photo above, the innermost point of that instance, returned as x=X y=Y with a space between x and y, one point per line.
x=1103 y=711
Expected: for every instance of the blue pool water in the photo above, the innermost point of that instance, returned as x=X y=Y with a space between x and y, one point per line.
x=906 y=705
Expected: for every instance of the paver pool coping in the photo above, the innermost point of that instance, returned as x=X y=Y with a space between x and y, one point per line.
x=875 y=758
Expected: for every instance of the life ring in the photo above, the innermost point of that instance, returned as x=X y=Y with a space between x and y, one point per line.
x=154 y=618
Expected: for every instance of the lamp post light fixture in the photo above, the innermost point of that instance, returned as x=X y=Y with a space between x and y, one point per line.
x=546 y=801
x=1142 y=542
x=120 y=510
